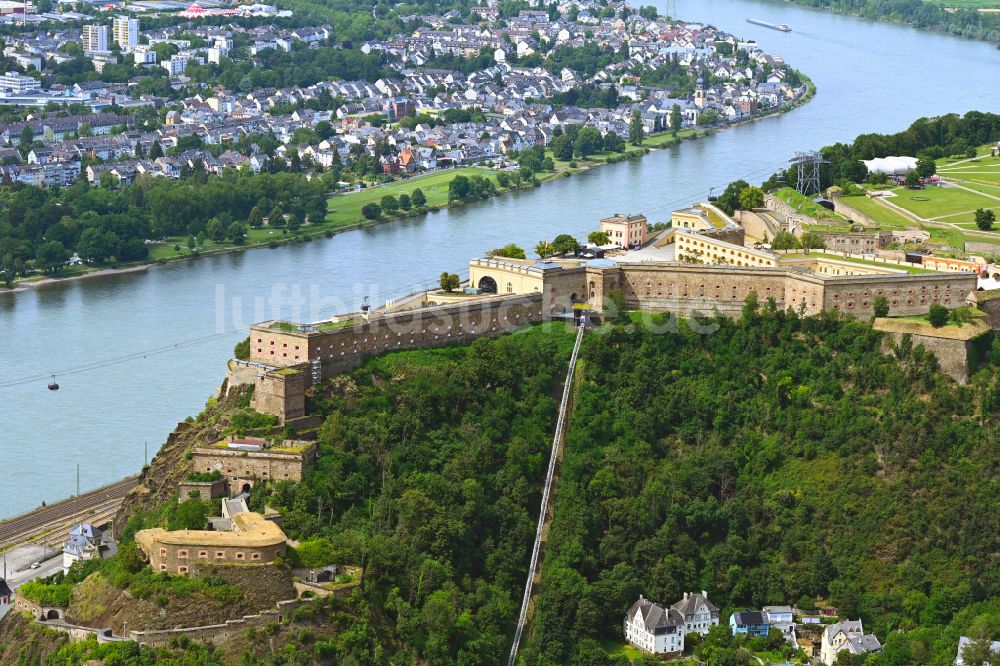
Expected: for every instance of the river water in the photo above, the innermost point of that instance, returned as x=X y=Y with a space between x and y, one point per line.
x=177 y=324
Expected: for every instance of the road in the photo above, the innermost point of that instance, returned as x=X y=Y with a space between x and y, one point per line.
x=18 y=563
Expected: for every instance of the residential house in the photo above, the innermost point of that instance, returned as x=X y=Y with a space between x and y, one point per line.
x=698 y=612
x=749 y=623
x=84 y=544
x=6 y=598
x=849 y=636
x=963 y=642
x=782 y=619
x=654 y=629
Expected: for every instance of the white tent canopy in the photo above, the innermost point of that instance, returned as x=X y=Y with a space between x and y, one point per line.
x=894 y=166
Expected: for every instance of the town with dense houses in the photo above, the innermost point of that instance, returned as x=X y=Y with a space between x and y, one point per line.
x=664 y=71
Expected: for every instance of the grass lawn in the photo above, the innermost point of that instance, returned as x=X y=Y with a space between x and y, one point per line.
x=875 y=264
x=934 y=202
x=345 y=209
x=886 y=217
x=770 y=657
x=167 y=249
x=981 y=151
x=805 y=205
x=662 y=138
x=615 y=649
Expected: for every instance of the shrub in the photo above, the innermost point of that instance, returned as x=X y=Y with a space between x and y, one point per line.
x=938 y=315
x=47 y=594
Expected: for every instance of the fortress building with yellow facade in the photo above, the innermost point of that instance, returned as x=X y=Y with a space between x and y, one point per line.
x=253 y=539
x=701 y=264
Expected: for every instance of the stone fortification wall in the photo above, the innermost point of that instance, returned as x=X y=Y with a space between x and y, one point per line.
x=685 y=289
x=342 y=349
x=959 y=350
x=216 y=634
x=757 y=224
x=297 y=359
x=281 y=391
x=206 y=490
x=906 y=294
x=989 y=302
x=236 y=465
x=853 y=242
x=735 y=234
x=790 y=218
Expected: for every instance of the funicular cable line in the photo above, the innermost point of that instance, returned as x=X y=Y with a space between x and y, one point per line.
x=546 y=492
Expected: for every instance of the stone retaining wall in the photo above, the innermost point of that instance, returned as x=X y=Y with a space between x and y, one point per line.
x=216 y=634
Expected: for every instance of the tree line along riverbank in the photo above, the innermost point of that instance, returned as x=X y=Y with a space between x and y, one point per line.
x=239 y=211
x=973 y=19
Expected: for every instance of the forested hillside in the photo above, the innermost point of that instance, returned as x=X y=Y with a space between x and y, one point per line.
x=775 y=461
x=430 y=473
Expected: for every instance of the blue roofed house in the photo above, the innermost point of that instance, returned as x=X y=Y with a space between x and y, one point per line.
x=749 y=623
x=84 y=543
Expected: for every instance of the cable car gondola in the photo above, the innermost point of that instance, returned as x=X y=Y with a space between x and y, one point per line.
x=52 y=385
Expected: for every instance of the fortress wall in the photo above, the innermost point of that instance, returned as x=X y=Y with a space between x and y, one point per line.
x=686 y=291
x=344 y=348
x=906 y=294
x=218 y=634
x=682 y=289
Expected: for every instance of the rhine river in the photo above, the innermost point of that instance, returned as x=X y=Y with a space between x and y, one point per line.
x=178 y=323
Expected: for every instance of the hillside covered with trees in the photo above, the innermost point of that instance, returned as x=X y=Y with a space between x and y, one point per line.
x=776 y=459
